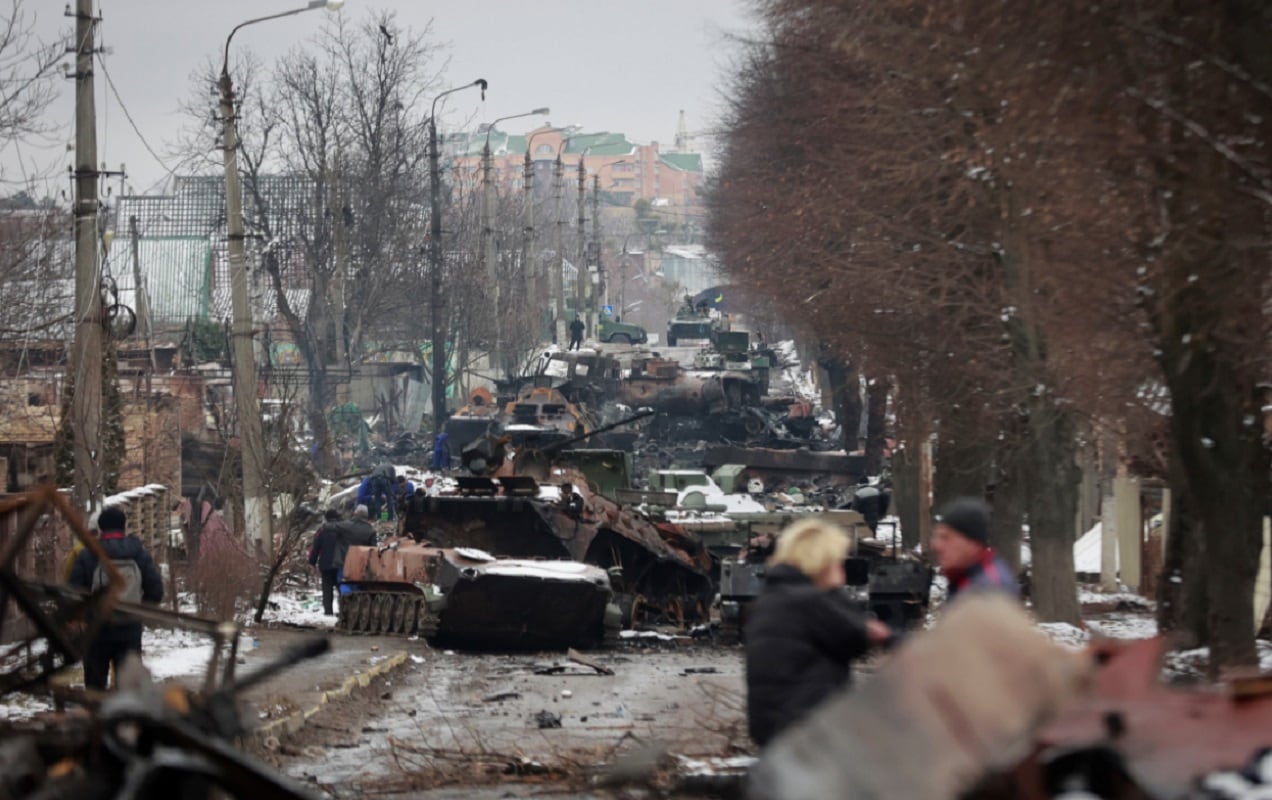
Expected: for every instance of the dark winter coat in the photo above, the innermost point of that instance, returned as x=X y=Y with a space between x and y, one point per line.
x=120 y=547
x=352 y=533
x=326 y=549
x=800 y=642
x=990 y=574
x=576 y=329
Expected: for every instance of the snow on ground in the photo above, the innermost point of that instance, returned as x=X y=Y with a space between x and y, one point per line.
x=301 y=608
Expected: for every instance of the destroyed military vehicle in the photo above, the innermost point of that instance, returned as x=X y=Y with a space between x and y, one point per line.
x=896 y=590
x=466 y=597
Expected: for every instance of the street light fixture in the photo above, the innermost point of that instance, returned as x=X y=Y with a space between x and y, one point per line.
x=435 y=256
x=257 y=514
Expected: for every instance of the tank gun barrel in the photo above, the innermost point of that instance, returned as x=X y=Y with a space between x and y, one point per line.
x=554 y=447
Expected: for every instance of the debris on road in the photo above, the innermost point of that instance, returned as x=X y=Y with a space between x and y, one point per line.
x=546 y=719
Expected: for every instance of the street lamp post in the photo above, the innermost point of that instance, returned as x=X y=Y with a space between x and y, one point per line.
x=488 y=231
x=435 y=258
x=257 y=515
x=528 y=256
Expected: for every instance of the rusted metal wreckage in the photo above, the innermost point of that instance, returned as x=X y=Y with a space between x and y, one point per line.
x=469 y=598
x=142 y=741
x=654 y=569
x=985 y=707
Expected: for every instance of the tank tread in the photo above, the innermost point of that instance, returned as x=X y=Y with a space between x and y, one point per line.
x=385 y=613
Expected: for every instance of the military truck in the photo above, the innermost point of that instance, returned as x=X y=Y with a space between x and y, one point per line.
x=613 y=331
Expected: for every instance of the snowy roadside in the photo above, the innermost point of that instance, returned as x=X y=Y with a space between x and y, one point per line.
x=176 y=653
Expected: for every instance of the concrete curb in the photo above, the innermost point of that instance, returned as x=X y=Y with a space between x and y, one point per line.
x=291 y=724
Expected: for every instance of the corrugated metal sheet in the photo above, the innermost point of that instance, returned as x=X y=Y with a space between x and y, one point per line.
x=177 y=274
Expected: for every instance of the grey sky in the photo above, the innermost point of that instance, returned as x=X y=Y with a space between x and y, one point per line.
x=618 y=66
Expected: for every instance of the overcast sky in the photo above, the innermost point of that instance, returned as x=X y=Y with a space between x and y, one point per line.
x=617 y=66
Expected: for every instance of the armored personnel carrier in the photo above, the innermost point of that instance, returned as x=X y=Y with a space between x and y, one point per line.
x=466 y=597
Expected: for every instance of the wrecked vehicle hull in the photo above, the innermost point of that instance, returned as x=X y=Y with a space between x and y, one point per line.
x=468 y=598
x=658 y=569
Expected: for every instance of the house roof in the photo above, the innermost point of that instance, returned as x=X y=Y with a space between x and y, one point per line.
x=176 y=271
x=600 y=144
x=685 y=162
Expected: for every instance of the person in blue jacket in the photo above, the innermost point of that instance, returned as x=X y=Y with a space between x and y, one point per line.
x=960 y=542
x=441 y=452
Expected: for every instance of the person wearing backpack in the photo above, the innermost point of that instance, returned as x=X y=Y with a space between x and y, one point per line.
x=142 y=584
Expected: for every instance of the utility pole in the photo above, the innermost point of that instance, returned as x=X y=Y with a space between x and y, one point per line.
x=557 y=278
x=143 y=296
x=86 y=364
x=527 y=244
x=436 y=253
x=596 y=246
x=257 y=516
x=488 y=249
x=581 y=285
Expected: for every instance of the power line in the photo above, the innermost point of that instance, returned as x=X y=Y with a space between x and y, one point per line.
x=129 y=117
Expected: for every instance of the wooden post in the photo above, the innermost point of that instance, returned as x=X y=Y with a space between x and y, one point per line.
x=1126 y=502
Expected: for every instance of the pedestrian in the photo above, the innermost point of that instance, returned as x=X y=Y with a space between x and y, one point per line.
x=871 y=503
x=323 y=555
x=142 y=584
x=576 y=333
x=441 y=452
x=960 y=542
x=366 y=493
x=802 y=632
x=382 y=478
x=402 y=492
x=414 y=515
x=355 y=532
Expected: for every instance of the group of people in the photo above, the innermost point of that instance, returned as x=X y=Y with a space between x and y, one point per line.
x=802 y=633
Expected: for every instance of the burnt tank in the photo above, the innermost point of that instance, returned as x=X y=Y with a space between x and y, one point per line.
x=465 y=597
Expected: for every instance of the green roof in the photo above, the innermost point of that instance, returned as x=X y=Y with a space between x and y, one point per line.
x=685 y=162
x=178 y=275
x=600 y=144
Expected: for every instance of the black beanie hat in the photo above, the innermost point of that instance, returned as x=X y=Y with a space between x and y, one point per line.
x=112 y=518
x=967 y=515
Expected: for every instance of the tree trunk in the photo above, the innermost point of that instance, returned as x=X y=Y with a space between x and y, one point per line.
x=964 y=452
x=1009 y=515
x=1181 y=591
x=1225 y=464
x=876 y=423
x=845 y=392
x=1051 y=505
x=905 y=494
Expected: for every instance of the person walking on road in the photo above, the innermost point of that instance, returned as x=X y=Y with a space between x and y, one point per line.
x=960 y=542
x=142 y=584
x=802 y=633
x=323 y=555
x=576 y=333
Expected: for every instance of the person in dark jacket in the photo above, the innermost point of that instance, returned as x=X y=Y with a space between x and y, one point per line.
x=576 y=334
x=356 y=532
x=414 y=515
x=382 y=480
x=142 y=583
x=323 y=556
x=960 y=542
x=801 y=633
x=870 y=501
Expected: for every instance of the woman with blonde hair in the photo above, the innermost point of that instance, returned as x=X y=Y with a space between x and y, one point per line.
x=802 y=632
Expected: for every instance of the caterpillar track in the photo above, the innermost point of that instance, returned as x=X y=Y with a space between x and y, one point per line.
x=398 y=613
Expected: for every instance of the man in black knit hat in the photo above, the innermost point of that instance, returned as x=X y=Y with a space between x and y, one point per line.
x=960 y=542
